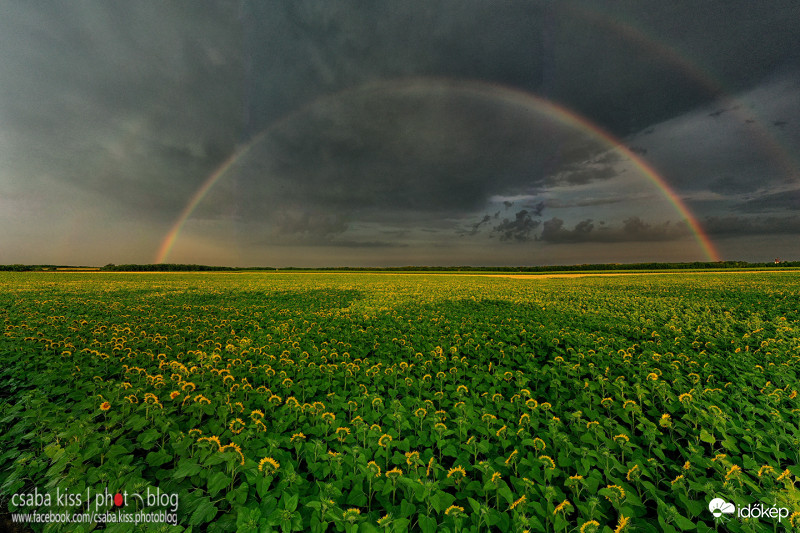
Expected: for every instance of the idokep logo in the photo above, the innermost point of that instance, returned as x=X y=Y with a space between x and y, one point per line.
x=724 y=511
x=719 y=508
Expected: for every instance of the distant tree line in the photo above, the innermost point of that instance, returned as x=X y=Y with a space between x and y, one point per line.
x=164 y=267
x=170 y=267
x=698 y=265
x=27 y=268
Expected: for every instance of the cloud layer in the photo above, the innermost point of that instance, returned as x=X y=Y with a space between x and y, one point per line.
x=398 y=126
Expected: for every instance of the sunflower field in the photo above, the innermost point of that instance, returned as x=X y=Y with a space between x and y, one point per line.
x=418 y=402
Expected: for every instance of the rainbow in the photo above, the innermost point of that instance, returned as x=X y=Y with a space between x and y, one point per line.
x=527 y=101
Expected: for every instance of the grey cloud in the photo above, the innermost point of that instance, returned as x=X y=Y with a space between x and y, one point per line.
x=517 y=230
x=582 y=175
x=476 y=227
x=633 y=229
x=785 y=200
x=309 y=224
x=556 y=203
x=364 y=244
x=121 y=99
x=397 y=151
x=735 y=225
x=733 y=185
x=371 y=113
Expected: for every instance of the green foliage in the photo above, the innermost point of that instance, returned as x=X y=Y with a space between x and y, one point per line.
x=365 y=402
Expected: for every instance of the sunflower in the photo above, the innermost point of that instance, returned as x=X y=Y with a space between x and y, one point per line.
x=621 y=439
x=394 y=473
x=520 y=501
x=511 y=457
x=457 y=473
x=590 y=527
x=453 y=510
x=412 y=458
x=622 y=524
x=234 y=447
x=373 y=467
x=548 y=462
x=562 y=507
x=617 y=493
x=342 y=433
x=213 y=439
x=268 y=465
x=428 y=469
x=766 y=469
x=105 y=406
x=236 y=426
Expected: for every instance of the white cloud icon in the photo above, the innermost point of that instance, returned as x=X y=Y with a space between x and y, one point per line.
x=718 y=507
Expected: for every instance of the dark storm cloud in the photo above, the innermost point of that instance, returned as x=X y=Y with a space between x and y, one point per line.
x=537 y=208
x=779 y=201
x=134 y=101
x=365 y=244
x=733 y=185
x=633 y=229
x=579 y=53
x=576 y=175
x=413 y=152
x=309 y=224
x=735 y=226
x=125 y=108
x=81 y=76
x=517 y=230
x=476 y=227
x=555 y=203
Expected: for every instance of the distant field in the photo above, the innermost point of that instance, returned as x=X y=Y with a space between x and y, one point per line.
x=392 y=402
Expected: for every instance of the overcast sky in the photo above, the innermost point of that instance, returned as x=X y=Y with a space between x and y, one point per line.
x=420 y=132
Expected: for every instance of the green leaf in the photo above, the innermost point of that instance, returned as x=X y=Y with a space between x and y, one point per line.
x=705 y=436
x=136 y=422
x=186 y=468
x=696 y=507
x=290 y=502
x=217 y=482
x=684 y=523
x=505 y=492
x=158 y=458
x=53 y=451
x=496 y=518
x=666 y=528
x=407 y=508
x=204 y=513
x=427 y=524
x=442 y=500
x=238 y=495
x=247 y=520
